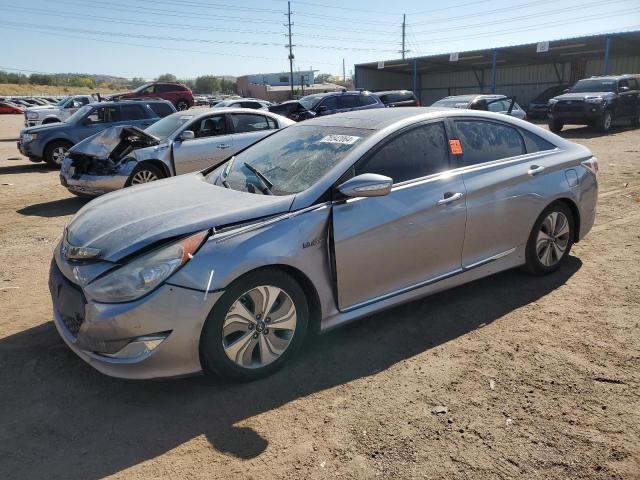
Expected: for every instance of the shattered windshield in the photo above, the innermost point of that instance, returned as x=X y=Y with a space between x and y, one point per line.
x=165 y=127
x=289 y=161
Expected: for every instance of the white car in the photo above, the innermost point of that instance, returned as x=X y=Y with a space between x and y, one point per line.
x=253 y=103
x=43 y=114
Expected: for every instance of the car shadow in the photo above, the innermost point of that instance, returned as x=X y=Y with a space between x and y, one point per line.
x=55 y=208
x=25 y=168
x=61 y=417
x=589 y=132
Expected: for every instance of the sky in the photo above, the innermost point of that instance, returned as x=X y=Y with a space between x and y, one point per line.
x=145 y=38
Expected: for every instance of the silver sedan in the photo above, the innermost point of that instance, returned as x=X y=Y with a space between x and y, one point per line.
x=317 y=225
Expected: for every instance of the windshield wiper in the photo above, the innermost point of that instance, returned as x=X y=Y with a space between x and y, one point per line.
x=263 y=179
x=225 y=172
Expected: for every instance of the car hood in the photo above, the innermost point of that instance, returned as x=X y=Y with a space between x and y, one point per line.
x=123 y=222
x=113 y=139
x=582 y=96
x=46 y=128
x=40 y=108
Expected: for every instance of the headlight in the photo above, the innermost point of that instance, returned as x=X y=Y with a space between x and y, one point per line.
x=144 y=273
x=552 y=101
x=32 y=115
x=29 y=137
x=594 y=99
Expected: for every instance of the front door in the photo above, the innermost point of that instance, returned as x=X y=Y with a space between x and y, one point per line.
x=387 y=245
x=211 y=145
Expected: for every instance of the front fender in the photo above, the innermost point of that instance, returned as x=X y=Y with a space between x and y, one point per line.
x=300 y=241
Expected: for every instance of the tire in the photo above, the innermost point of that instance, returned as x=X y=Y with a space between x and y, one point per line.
x=556 y=125
x=144 y=173
x=182 y=105
x=550 y=241
x=55 y=151
x=249 y=351
x=603 y=124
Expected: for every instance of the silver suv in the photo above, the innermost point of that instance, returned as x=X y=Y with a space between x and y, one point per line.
x=59 y=112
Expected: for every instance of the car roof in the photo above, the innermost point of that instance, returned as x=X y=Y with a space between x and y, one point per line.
x=129 y=102
x=386 y=92
x=348 y=92
x=207 y=111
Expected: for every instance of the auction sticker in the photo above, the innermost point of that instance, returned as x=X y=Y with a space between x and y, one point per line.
x=342 y=139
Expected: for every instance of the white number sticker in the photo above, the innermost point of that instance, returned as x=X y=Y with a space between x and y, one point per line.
x=342 y=139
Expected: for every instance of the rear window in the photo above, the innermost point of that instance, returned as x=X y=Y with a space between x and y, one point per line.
x=484 y=141
x=161 y=109
x=365 y=100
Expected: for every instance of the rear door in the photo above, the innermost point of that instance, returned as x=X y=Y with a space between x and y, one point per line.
x=504 y=170
x=628 y=99
x=248 y=128
x=386 y=245
x=211 y=145
x=348 y=102
x=136 y=115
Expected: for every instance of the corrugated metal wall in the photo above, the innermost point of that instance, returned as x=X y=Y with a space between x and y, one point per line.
x=525 y=82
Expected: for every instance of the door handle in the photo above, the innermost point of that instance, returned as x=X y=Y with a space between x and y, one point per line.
x=450 y=197
x=535 y=169
x=223 y=146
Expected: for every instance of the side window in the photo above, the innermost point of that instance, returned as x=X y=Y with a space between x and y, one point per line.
x=272 y=123
x=83 y=101
x=164 y=88
x=416 y=153
x=331 y=103
x=161 y=109
x=623 y=83
x=487 y=141
x=209 y=127
x=495 y=106
x=633 y=84
x=149 y=89
x=132 y=112
x=251 y=105
x=365 y=100
x=347 y=101
x=104 y=115
x=246 y=122
x=535 y=143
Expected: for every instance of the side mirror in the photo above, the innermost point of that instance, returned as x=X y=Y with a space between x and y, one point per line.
x=566 y=90
x=322 y=109
x=187 y=135
x=366 y=185
x=624 y=89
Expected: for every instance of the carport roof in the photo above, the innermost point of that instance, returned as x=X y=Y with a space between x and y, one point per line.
x=563 y=50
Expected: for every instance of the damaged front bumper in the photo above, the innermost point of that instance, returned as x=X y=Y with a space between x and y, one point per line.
x=155 y=336
x=94 y=184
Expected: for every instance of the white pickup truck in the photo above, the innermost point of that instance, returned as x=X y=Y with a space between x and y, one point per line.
x=40 y=115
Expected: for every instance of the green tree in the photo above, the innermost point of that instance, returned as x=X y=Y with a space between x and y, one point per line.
x=3 y=76
x=167 y=77
x=136 y=82
x=207 y=84
x=323 y=78
x=227 y=86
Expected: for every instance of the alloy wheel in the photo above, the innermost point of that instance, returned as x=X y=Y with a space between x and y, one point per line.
x=259 y=327
x=58 y=154
x=143 y=176
x=553 y=239
x=607 y=121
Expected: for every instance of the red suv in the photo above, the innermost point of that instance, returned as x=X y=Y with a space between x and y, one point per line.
x=177 y=93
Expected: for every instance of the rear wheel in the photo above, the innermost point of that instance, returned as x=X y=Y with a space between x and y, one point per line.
x=555 y=125
x=182 y=105
x=144 y=173
x=550 y=240
x=55 y=152
x=255 y=327
x=604 y=122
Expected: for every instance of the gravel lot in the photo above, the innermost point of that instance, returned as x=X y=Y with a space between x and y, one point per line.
x=533 y=378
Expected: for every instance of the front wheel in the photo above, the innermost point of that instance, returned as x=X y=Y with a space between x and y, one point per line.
x=55 y=152
x=555 y=125
x=604 y=122
x=550 y=240
x=144 y=173
x=255 y=327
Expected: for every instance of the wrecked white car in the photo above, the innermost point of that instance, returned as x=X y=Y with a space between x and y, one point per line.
x=183 y=142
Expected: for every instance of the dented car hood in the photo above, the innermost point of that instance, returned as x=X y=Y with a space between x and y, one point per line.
x=123 y=222
x=102 y=144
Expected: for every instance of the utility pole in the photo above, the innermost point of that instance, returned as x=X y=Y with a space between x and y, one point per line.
x=290 y=47
x=404 y=28
x=344 y=75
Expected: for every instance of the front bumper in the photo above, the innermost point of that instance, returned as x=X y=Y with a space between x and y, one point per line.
x=102 y=334
x=93 y=185
x=579 y=113
x=27 y=150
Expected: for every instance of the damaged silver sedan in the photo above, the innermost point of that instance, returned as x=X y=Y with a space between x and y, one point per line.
x=184 y=142
x=319 y=224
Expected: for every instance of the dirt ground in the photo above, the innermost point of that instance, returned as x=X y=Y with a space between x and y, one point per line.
x=535 y=378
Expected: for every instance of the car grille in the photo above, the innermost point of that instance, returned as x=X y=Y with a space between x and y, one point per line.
x=574 y=106
x=68 y=300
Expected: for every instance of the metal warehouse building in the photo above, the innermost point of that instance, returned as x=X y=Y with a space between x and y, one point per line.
x=520 y=70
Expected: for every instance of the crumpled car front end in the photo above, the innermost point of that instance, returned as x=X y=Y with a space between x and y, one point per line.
x=103 y=163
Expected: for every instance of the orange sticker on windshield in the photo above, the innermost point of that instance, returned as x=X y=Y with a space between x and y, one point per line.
x=456 y=147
